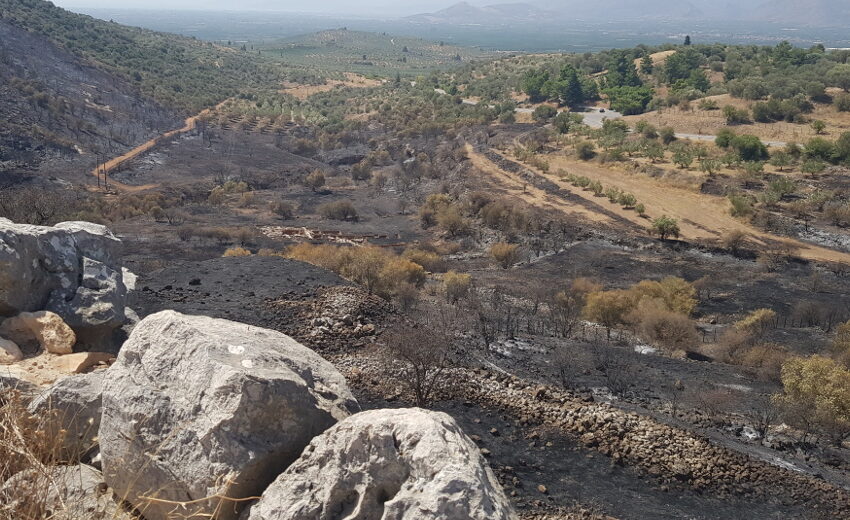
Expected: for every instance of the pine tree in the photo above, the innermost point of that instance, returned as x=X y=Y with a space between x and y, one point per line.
x=646 y=65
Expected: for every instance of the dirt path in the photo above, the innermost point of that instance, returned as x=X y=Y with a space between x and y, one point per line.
x=113 y=164
x=701 y=217
x=518 y=187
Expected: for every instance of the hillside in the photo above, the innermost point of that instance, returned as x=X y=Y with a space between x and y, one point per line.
x=180 y=72
x=72 y=82
x=52 y=101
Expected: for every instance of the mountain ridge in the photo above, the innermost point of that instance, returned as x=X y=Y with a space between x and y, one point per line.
x=797 y=12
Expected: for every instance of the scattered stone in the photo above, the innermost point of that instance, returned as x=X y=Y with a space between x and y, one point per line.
x=200 y=407
x=42 y=329
x=404 y=464
x=542 y=489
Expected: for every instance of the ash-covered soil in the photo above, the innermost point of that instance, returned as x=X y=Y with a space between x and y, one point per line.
x=234 y=288
x=525 y=458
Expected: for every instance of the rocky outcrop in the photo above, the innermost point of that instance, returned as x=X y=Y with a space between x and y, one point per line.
x=72 y=269
x=72 y=410
x=392 y=464
x=62 y=492
x=42 y=329
x=196 y=409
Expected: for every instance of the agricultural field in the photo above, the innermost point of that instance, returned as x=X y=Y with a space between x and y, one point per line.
x=370 y=54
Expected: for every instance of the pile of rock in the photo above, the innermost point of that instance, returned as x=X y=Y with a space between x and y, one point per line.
x=197 y=415
x=674 y=456
x=345 y=312
x=61 y=288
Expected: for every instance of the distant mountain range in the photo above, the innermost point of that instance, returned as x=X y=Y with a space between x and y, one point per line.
x=795 y=12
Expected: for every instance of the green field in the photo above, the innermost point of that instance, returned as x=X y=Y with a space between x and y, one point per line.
x=370 y=54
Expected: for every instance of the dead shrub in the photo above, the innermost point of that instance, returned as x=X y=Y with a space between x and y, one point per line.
x=339 y=210
x=406 y=296
x=246 y=200
x=765 y=361
x=315 y=180
x=505 y=254
x=398 y=272
x=236 y=251
x=430 y=260
x=451 y=221
x=757 y=323
x=663 y=327
x=376 y=269
x=456 y=285
x=424 y=356
x=282 y=209
x=730 y=346
x=734 y=241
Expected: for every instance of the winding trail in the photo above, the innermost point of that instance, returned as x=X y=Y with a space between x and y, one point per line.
x=113 y=164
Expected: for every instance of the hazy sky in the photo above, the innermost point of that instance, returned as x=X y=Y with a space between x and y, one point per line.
x=371 y=8
x=364 y=7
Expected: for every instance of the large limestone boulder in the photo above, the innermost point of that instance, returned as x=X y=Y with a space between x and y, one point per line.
x=72 y=411
x=63 y=493
x=195 y=408
x=72 y=269
x=388 y=465
x=42 y=329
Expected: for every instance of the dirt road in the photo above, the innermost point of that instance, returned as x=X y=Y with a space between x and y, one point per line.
x=111 y=165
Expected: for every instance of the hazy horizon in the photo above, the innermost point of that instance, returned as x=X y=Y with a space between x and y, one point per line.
x=339 y=7
x=367 y=8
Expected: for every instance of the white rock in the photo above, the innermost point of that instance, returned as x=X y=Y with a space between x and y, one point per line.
x=72 y=269
x=72 y=411
x=68 y=492
x=185 y=414
x=9 y=352
x=387 y=465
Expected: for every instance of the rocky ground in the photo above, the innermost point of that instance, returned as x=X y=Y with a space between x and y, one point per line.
x=550 y=450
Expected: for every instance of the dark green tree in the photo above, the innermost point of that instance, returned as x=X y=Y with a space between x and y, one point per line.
x=622 y=71
x=534 y=84
x=681 y=64
x=569 y=87
x=646 y=65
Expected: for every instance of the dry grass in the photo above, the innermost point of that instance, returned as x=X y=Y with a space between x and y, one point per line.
x=27 y=446
x=709 y=122
x=702 y=218
x=303 y=92
x=47 y=482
